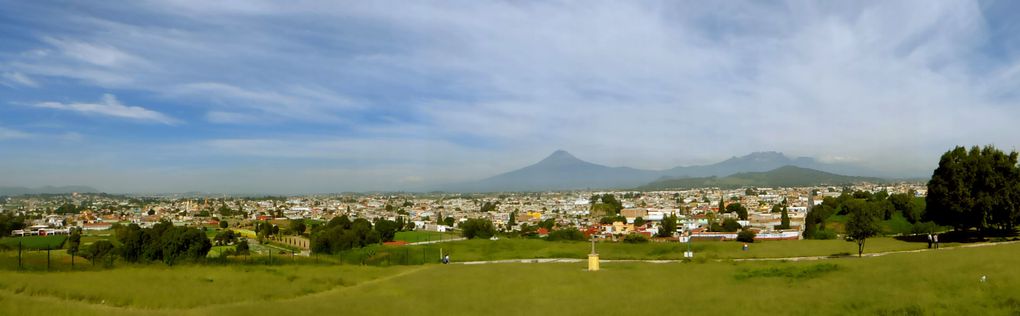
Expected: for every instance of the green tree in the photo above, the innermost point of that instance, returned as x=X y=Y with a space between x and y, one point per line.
x=73 y=242
x=10 y=222
x=730 y=224
x=784 y=219
x=224 y=224
x=635 y=238
x=512 y=221
x=668 y=226
x=387 y=229
x=737 y=208
x=477 y=228
x=225 y=237
x=569 y=233
x=98 y=251
x=863 y=221
x=242 y=248
x=297 y=226
x=639 y=221
x=978 y=189
x=548 y=224
x=746 y=236
x=449 y=221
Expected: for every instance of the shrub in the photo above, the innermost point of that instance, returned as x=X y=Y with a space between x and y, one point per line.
x=566 y=234
x=746 y=236
x=477 y=228
x=635 y=239
x=824 y=234
x=922 y=228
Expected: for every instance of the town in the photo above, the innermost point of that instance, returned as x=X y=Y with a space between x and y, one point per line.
x=531 y=214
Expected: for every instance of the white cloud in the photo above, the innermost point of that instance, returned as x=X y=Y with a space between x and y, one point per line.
x=474 y=89
x=13 y=79
x=96 y=54
x=110 y=106
x=230 y=118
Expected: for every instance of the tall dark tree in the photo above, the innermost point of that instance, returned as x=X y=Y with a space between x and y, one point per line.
x=784 y=219
x=73 y=243
x=668 y=226
x=978 y=189
x=297 y=226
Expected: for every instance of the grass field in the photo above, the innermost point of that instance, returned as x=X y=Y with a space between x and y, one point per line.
x=35 y=242
x=931 y=282
x=419 y=236
x=475 y=250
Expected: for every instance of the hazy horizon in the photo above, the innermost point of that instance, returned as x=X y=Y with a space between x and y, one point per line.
x=253 y=96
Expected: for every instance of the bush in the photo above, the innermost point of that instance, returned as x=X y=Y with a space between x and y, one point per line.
x=923 y=228
x=566 y=234
x=477 y=228
x=635 y=239
x=98 y=250
x=746 y=236
x=824 y=234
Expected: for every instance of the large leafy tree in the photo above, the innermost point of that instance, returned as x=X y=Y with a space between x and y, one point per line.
x=737 y=208
x=477 y=228
x=979 y=188
x=668 y=226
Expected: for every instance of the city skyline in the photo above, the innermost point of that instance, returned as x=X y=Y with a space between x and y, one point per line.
x=327 y=97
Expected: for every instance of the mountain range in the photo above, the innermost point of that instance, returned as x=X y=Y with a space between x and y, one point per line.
x=785 y=176
x=13 y=191
x=563 y=171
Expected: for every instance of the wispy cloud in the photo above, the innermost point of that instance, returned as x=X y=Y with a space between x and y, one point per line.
x=8 y=134
x=477 y=88
x=15 y=79
x=110 y=106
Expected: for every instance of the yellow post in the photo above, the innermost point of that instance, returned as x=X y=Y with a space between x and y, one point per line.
x=593 y=262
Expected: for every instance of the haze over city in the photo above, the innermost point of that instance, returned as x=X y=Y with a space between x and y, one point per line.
x=282 y=97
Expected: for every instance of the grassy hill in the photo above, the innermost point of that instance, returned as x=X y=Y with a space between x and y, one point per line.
x=787 y=176
x=942 y=282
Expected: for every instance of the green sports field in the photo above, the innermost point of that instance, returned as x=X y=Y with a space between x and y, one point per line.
x=930 y=282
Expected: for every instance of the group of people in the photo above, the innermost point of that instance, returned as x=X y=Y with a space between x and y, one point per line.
x=933 y=239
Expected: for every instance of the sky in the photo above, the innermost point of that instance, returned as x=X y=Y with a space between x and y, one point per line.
x=328 y=96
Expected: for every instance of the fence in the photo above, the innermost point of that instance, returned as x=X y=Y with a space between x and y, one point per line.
x=57 y=259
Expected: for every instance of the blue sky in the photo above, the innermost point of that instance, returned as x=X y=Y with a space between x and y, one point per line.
x=327 y=96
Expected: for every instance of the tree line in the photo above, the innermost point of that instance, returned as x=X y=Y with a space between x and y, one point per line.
x=163 y=242
x=341 y=233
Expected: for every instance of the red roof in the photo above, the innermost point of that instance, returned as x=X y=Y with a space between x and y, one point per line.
x=542 y=231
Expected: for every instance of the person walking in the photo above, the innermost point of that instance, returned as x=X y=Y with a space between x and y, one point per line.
x=936 y=241
x=930 y=241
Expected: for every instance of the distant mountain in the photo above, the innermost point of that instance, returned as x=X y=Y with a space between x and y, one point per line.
x=785 y=176
x=561 y=171
x=764 y=161
x=13 y=191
